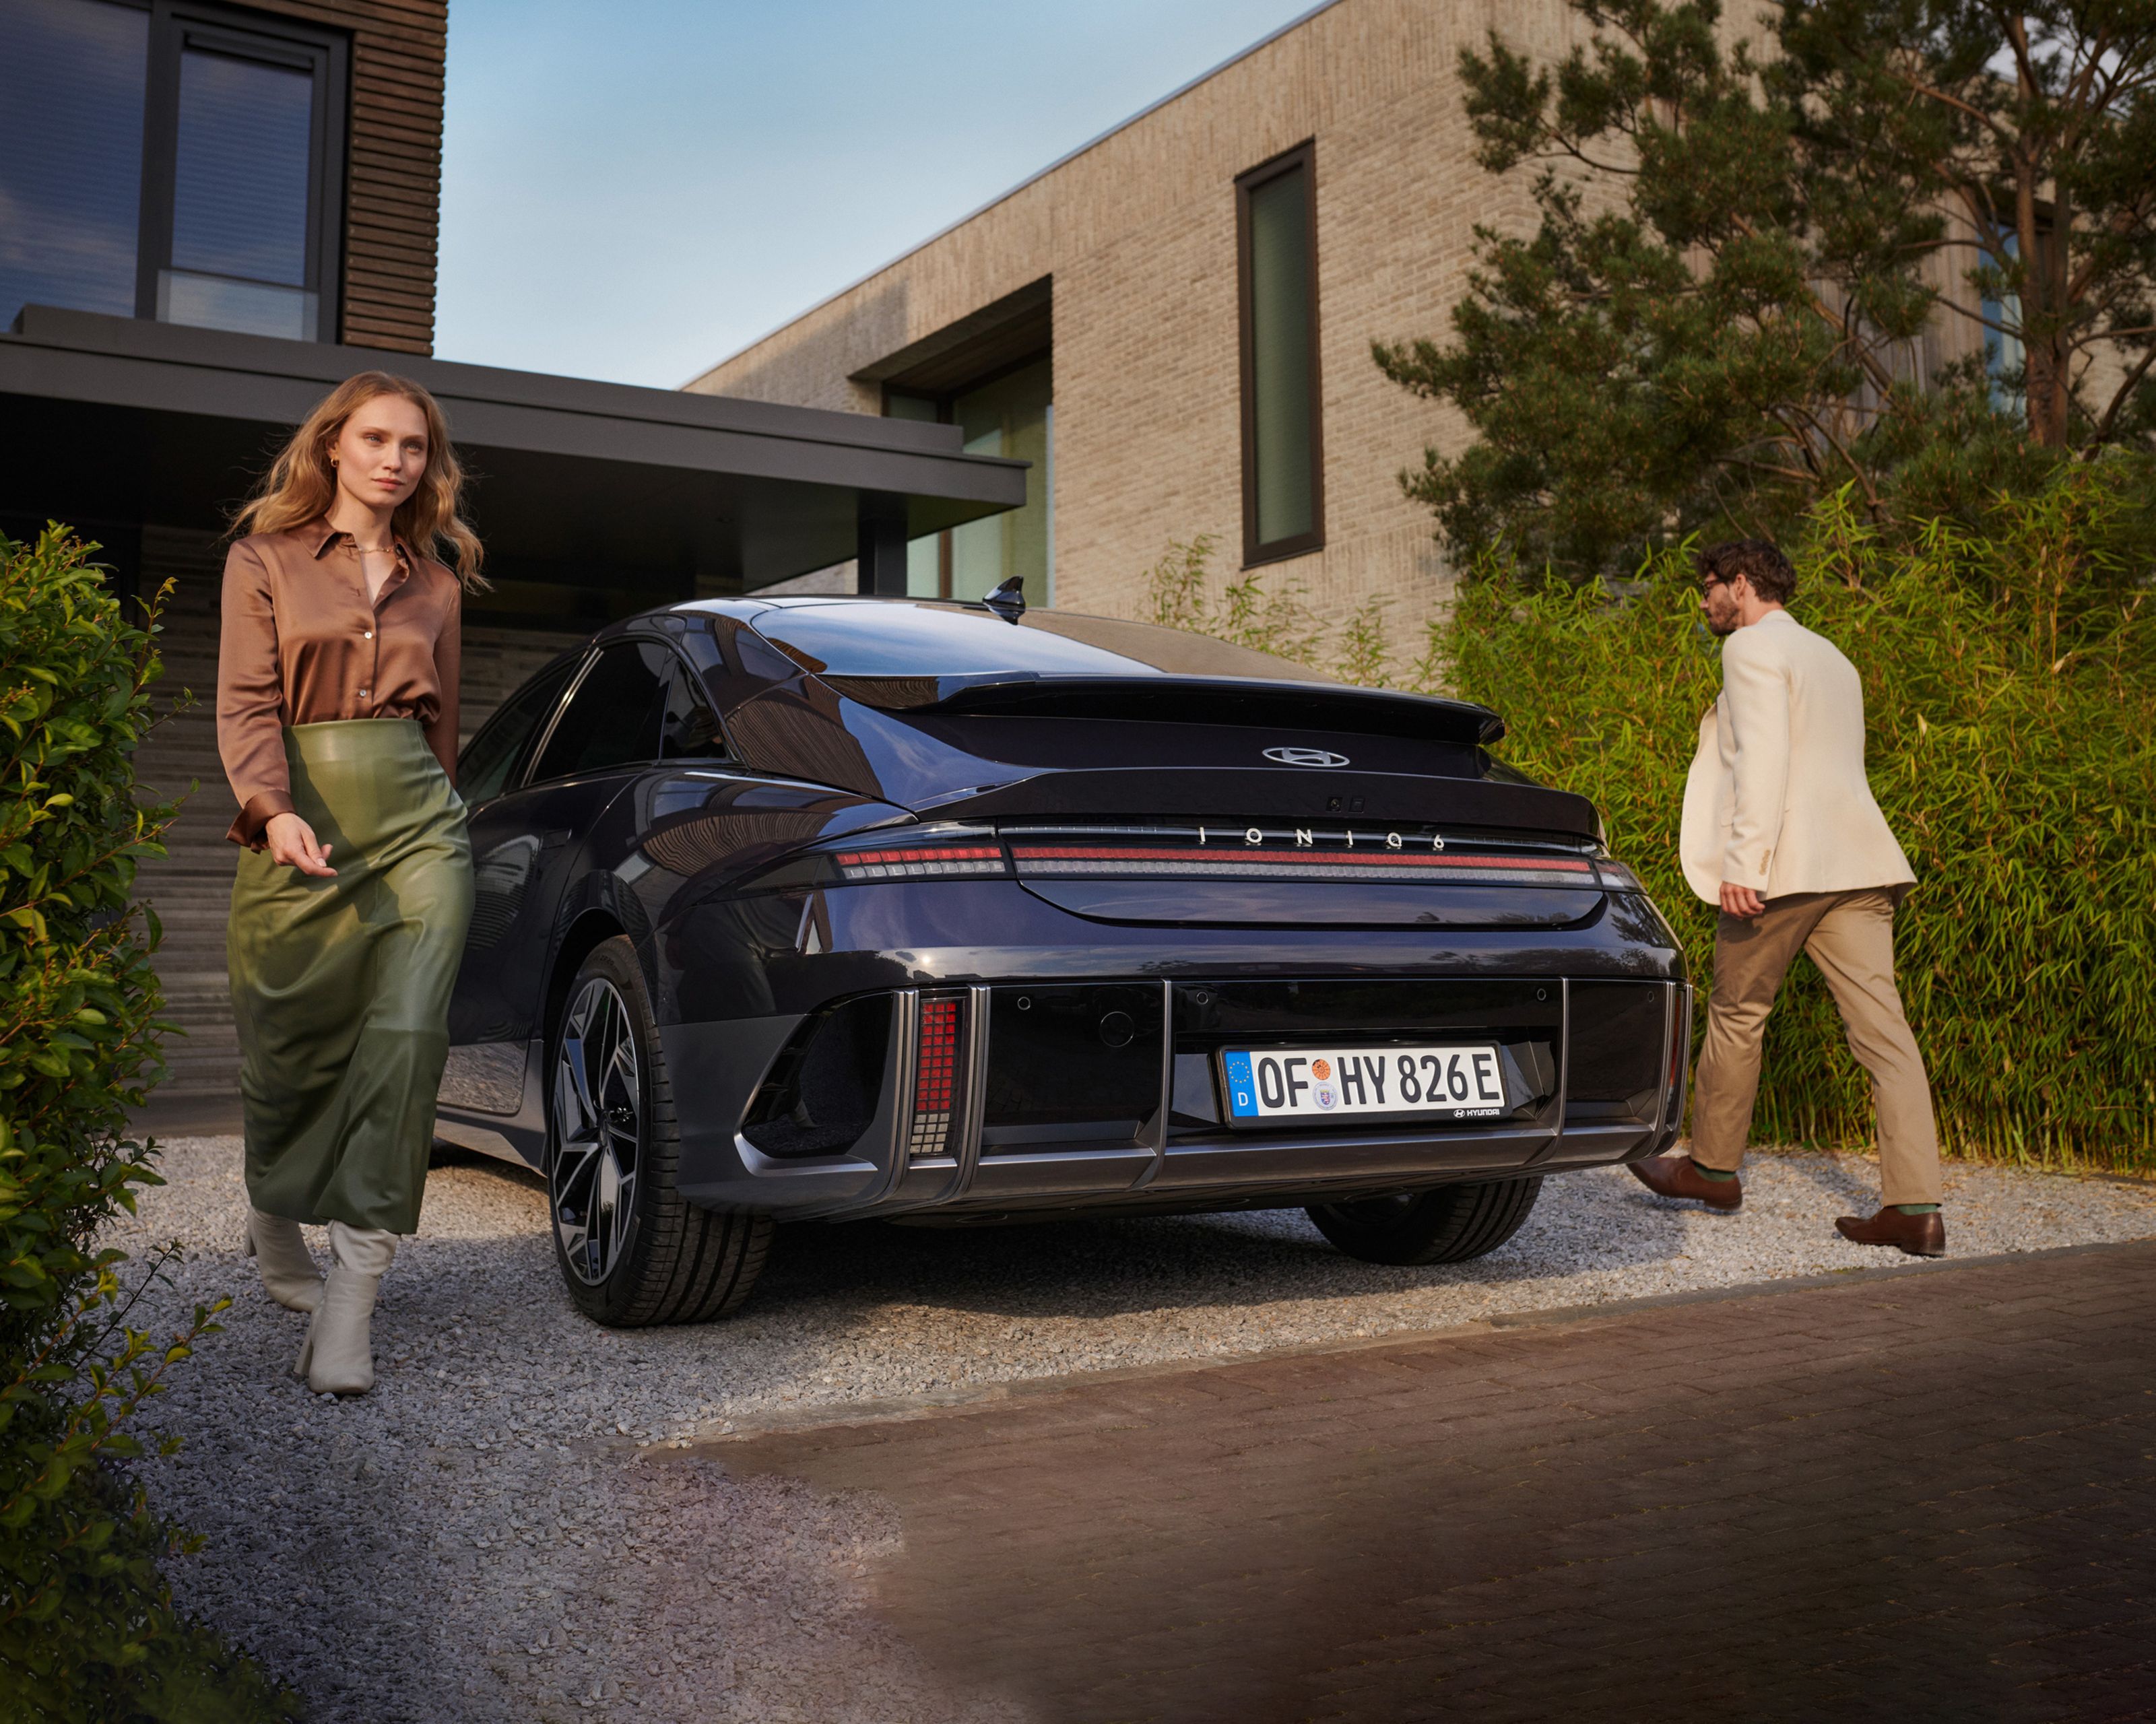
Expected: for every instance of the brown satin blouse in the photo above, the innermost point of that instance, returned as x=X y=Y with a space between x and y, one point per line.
x=300 y=644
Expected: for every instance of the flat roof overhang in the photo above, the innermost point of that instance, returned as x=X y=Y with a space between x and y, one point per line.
x=574 y=483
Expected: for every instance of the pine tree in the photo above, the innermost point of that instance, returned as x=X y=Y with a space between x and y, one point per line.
x=1740 y=250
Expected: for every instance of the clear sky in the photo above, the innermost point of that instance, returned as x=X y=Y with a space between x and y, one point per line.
x=635 y=190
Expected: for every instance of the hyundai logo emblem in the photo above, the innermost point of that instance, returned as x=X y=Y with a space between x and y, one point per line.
x=1306 y=757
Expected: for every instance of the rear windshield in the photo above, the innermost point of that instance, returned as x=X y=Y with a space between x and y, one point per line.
x=895 y=638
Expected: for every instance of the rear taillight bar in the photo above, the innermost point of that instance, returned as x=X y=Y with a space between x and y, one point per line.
x=927 y=861
x=1422 y=857
x=1256 y=861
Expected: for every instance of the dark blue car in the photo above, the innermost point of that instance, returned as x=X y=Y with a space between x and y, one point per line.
x=833 y=908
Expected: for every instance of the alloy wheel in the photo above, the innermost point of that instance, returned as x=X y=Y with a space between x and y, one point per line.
x=598 y=1118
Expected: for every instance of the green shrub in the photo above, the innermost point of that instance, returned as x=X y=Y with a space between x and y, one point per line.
x=88 y=1628
x=1248 y=611
x=2010 y=687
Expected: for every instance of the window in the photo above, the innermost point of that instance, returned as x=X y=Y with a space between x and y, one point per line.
x=2005 y=357
x=1277 y=259
x=1011 y=416
x=490 y=758
x=1012 y=413
x=689 y=729
x=72 y=75
x=175 y=161
x=613 y=719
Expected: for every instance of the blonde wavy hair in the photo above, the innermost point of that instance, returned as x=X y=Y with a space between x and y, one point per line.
x=301 y=483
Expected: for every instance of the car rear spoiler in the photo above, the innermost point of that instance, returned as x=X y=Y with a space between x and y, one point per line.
x=1188 y=700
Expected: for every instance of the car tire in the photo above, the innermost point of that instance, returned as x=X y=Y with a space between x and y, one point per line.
x=632 y=1252
x=1449 y=1224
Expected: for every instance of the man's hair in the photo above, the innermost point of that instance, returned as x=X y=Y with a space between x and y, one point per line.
x=1760 y=561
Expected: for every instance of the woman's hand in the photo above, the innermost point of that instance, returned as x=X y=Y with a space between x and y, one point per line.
x=292 y=844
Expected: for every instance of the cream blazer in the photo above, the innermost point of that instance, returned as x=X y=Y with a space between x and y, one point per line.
x=1777 y=798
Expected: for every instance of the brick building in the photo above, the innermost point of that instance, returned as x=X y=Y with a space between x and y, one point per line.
x=1183 y=310
x=1174 y=321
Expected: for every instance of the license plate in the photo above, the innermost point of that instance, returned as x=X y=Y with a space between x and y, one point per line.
x=1459 y=1081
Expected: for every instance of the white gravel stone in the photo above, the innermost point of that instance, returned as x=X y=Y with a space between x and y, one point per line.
x=476 y=1540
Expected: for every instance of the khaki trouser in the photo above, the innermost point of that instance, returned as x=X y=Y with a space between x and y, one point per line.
x=1850 y=936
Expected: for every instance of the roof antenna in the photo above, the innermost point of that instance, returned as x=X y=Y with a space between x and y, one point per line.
x=1007 y=601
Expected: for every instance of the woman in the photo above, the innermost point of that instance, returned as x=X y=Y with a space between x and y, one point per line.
x=337 y=721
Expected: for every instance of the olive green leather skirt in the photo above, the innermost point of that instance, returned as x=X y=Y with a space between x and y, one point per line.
x=341 y=987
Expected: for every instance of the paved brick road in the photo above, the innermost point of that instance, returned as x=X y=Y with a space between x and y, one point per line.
x=1930 y=1496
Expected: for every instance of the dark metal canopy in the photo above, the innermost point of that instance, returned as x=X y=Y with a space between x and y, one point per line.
x=641 y=495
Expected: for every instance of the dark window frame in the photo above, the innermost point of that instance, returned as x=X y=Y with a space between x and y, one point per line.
x=538 y=749
x=1303 y=157
x=702 y=691
x=618 y=643
x=519 y=769
x=275 y=40
x=527 y=774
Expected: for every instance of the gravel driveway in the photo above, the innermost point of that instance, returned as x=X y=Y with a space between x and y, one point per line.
x=477 y=1540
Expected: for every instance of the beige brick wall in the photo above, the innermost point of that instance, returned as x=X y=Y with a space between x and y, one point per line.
x=1138 y=232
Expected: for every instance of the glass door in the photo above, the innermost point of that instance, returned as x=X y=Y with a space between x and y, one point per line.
x=1011 y=414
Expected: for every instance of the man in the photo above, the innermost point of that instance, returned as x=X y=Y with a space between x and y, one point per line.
x=1780 y=829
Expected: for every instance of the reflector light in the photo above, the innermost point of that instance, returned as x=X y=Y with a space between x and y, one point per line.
x=935 y=1078
x=1617 y=878
x=1680 y=1049
x=919 y=862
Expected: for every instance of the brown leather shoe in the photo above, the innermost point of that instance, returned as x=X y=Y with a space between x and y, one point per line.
x=1673 y=1176
x=1919 y=1235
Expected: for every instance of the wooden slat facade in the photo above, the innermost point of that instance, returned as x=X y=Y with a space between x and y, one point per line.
x=393 y=164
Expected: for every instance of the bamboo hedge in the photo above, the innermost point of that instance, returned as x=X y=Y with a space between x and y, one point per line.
x=2009 y=688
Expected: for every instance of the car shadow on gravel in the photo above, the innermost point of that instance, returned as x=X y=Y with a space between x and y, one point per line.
x=1113 y=1267
x=451 y=1155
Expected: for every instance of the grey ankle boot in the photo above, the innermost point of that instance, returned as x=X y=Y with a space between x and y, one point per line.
x=287 y=1265
x=338 y=1358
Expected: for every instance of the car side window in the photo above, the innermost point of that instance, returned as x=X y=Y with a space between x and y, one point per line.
x=490 y=759
x=613 y=719
x=690 y=730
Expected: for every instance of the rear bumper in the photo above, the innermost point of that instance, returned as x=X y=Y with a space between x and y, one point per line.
x=1172 y=1158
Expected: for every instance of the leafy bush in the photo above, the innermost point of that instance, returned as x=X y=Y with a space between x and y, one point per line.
x=88 y=1629
x=2009 y=688
x=1247 y=613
